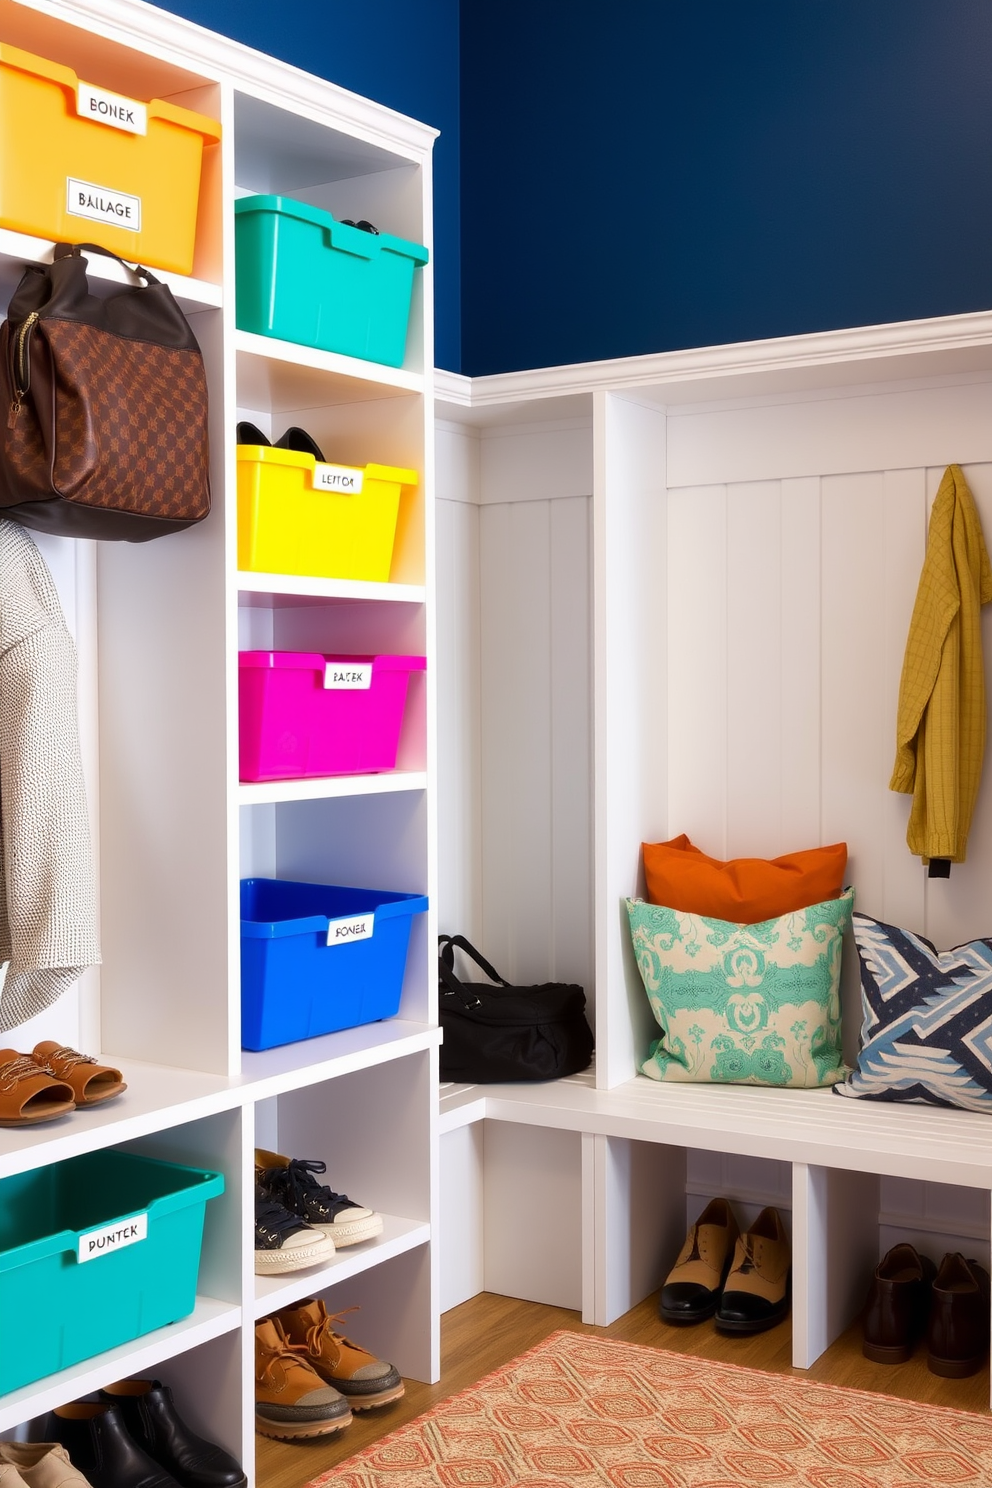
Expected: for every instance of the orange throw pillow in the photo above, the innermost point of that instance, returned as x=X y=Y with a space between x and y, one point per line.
x=745 y=890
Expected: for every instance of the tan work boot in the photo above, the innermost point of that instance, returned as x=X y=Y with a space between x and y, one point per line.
x=291 y=1401
x=363 y=1379
x=40 y=1465
x=756 y=1293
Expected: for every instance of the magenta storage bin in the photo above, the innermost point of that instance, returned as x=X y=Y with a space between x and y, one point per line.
x=312 y=713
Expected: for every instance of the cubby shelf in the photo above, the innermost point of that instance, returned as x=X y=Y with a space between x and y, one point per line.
x=325 y=787
x=17 y=250
x=157 y=1096
x=291 y=1066
x=398 y=1236
x=282 y=375
x=208 y=1320
x=281 y=591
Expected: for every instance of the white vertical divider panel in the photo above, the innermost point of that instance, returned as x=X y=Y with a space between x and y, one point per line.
x=516 y=737
x=633 y=1221
x=630 y=580
x=855 y=748
x=460 y=1243
x=572 y=950
x=904 y=498
x=756 y=678
x=834 y=1252
x=533 y=1208
x=458 y=684
x=697 y=667
x=800 y=660
x=168 y=885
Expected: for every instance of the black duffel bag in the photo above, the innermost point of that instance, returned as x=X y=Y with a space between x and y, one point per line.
x=492 y=1034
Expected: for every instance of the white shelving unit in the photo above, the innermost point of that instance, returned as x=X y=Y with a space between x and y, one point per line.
x=158 y=628
x=695 y=572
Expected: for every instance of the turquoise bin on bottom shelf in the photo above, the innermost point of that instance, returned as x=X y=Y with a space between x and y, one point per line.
x=303 y=276
x=95 y=1251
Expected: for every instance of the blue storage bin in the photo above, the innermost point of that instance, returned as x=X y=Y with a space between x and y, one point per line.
x=316 y=958
x=303 y=276
x=94 y=1252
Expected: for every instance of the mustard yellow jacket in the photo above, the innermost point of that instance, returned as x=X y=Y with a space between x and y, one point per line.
x=940 y=729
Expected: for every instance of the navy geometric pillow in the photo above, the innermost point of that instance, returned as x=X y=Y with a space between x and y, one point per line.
x=927 y=1032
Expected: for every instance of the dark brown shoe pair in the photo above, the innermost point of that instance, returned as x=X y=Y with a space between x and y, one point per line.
x=910 y=1298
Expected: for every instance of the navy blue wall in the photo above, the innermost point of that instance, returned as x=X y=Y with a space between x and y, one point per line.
x=649 y=174
x=401 y=54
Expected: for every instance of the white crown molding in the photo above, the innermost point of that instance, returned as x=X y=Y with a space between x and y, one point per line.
x=908 y=343
x=135 y=24
x=452 y=387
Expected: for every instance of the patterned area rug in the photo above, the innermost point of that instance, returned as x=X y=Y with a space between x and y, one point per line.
x=579 y=1411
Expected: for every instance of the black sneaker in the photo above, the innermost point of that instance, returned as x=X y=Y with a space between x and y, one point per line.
x=283 y=1241
x=291 y=1181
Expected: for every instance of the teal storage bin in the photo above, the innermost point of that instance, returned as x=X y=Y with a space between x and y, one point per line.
x=303 y=276
x=94 y=1252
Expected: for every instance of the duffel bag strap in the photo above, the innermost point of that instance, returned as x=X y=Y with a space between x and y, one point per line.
x=76 y=250
x=447 y=944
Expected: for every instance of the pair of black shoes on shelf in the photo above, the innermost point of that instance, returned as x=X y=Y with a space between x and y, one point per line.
x=295 y=439
x=131 y=1436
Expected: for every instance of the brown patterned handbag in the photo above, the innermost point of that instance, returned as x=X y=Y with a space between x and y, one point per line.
x=105 y=431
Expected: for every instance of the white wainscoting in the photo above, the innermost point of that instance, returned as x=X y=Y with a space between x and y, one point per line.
x=795 y=531
x=514 y=688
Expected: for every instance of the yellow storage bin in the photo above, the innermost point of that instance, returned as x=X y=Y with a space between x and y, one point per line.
x=82 y=165
x=297 y=516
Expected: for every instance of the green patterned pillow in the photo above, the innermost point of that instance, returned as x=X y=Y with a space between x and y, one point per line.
x=744 y=1004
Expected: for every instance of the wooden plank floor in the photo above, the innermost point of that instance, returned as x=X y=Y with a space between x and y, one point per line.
x=488 y=1331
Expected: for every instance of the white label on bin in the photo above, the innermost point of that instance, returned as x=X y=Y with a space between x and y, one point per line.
x=111 y=108
x=358 y=927
x=109 y=1238
x=348 y=676
x=337 y=478
x=83 y=199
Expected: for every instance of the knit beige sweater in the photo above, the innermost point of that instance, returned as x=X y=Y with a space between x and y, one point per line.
x=48 y=927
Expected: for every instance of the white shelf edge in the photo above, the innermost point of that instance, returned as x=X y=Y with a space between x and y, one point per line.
x=192 y=294
x=300 y=586
x=151 y=1104
x=329 y=787
x=208 y=1320
x=295 y=354
x=336 y=1054
x=460 y=1105
x=398 y=1236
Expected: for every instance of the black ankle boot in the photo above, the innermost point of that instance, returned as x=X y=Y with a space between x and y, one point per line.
x=154 y=1423
x=94 y=1435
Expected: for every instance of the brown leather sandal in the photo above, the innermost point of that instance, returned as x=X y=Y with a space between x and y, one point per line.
x=29 y=1094
x=91 y=1083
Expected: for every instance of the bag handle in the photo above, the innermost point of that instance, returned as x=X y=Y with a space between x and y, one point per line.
x=75 y=250
x=447 y=944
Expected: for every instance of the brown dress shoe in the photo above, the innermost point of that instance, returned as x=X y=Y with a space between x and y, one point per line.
x=692 y=1287
x=958 y=1332
x=756 y=1293
x=898 y=1305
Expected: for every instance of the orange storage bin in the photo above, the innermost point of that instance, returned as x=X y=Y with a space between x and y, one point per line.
x=83 y=165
